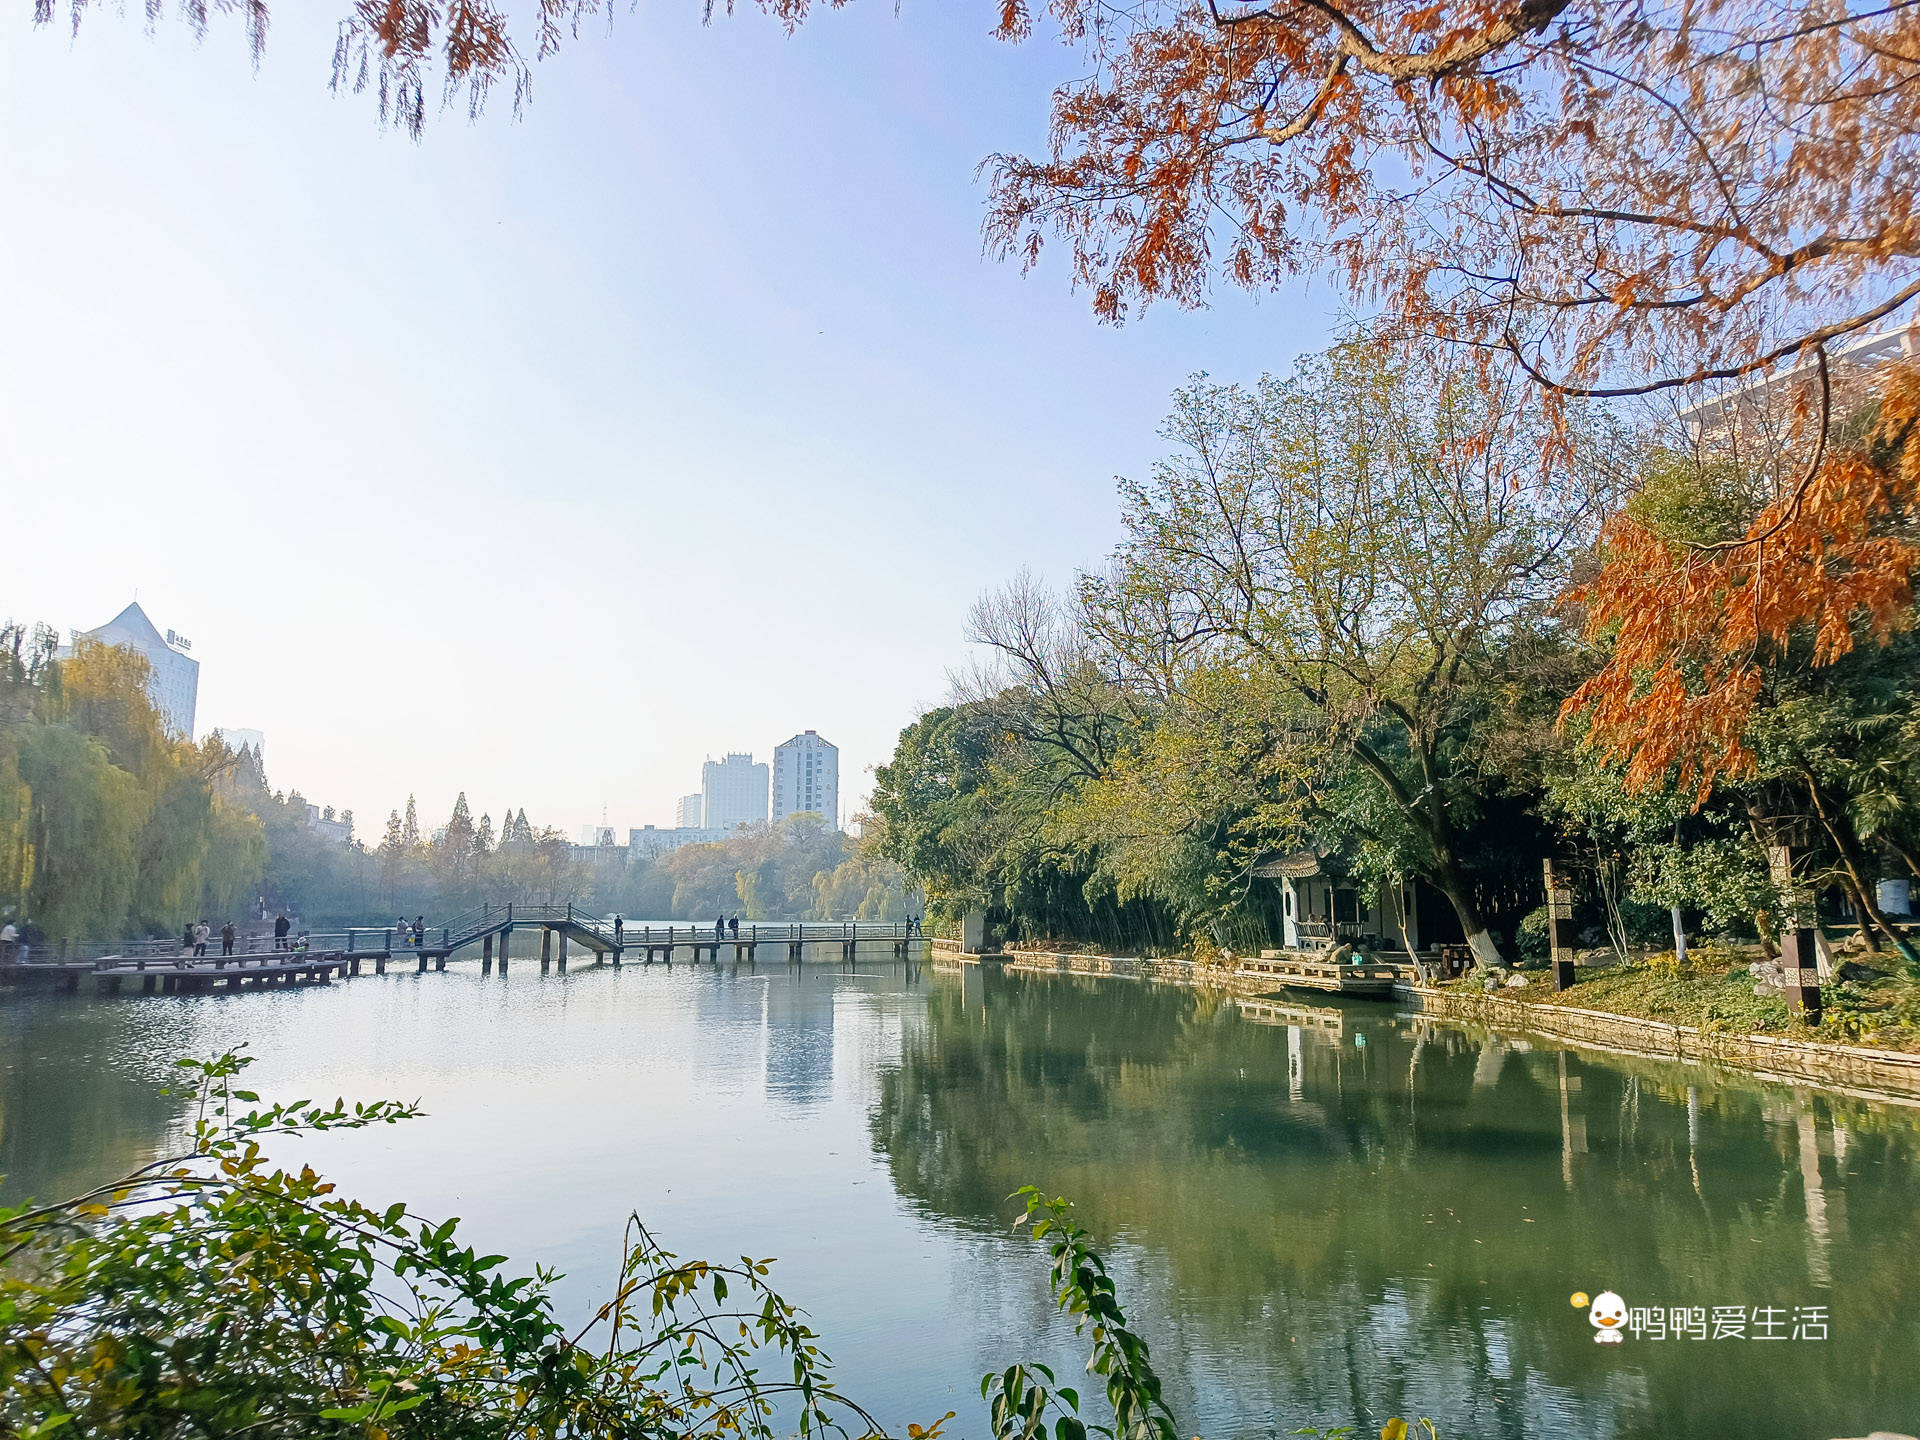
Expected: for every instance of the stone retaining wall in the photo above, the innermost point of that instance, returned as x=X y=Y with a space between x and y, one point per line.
x=1891 y=1073
x=1178 y=972
x=1886 y=1074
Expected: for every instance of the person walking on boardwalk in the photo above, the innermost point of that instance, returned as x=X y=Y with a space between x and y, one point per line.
x=734 y=926
x=226 y=938
x=419 y=931
x=281 y=925
x=719 y=930
x=9 y=937
x=201 y=932
x=403 y=930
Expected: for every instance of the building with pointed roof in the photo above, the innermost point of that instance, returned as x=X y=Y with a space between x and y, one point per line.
x=174 y=686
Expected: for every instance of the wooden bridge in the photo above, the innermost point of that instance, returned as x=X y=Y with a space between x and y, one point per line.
x=562 y=926
x=169 y=966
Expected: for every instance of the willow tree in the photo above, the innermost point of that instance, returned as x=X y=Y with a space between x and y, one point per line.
x=1369 y=538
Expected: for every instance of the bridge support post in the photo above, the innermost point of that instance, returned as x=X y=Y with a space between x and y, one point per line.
x=503 y=946
x=486 y=956
x=440 y=964
x=546 y=949
x=423 y=966
x=563 y=952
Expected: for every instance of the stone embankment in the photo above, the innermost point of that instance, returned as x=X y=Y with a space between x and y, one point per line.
x=1883 y=1073
x=1886 y=1072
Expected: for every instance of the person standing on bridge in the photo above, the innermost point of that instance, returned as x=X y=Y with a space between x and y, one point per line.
x=719 y=930
x=419 y=931
x=619 y=926
x=226 y=938
x=734 y=926
x=201 y=932
x=9 y=937
x=281 y=925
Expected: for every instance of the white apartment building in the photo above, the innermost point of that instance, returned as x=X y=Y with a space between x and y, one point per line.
x=174 y=686
x=806 y=777
x=688 y=813
x=733 y=792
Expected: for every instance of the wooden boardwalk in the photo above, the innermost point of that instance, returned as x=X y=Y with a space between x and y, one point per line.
x=166 y=967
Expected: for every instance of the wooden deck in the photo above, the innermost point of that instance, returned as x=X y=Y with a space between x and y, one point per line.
x=1372 y=980
x=279 y=967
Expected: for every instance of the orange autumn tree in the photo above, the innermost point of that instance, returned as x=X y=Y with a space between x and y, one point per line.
x=1619 y=194
x=1694 y=627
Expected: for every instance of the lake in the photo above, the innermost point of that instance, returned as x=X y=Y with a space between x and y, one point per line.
x=1319 y=1214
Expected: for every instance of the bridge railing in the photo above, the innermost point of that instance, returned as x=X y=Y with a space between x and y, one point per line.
x=468 y=926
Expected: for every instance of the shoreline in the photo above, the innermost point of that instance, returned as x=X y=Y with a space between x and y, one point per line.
x=1887 y=1075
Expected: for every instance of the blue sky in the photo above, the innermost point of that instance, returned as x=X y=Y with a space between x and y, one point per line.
x=543 y=458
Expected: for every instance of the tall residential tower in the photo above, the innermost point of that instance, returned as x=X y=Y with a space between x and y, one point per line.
x=806 y=777
x=733 y=792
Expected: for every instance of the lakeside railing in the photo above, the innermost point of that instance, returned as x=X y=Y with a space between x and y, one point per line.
x=459 y=930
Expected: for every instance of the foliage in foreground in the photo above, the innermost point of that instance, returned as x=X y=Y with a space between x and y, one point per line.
x=209 y=1294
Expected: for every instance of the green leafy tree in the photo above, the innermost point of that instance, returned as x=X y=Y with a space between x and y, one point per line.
x=1369 y=535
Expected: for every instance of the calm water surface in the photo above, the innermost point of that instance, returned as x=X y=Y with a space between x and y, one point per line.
x=1321 y=1216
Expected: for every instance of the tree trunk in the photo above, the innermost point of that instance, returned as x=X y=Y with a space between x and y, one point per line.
x=1904 y=852
x=1840 y=829
x=1448 y=880
x=1867 y=927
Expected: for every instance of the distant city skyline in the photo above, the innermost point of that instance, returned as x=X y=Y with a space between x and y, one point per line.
x=640 y=461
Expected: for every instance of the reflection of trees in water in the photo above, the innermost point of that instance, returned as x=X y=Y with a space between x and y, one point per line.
x=75 y=1106
x=1398 y=1223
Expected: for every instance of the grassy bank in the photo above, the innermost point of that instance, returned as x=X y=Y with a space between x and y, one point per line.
x=1876 y=1004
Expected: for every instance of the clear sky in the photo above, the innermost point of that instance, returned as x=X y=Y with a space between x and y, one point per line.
x=545 y=458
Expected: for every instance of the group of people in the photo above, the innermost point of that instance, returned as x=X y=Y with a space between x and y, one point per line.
x=412 y=933
x=722 y=924
x=193 y=940
x=17 y=941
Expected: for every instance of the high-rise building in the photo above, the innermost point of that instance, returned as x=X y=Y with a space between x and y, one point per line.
x=688 y=812
x=806 y=776
x=733 y=792
x=174 y=686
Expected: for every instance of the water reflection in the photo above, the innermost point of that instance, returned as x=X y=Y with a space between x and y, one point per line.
x=1324 y=1214
x=1342 y=1215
